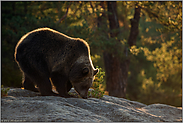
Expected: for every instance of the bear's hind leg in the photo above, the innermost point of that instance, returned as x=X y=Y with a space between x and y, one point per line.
x=28 y=84
x=43 y=83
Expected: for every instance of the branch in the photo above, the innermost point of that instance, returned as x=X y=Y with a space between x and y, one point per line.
x=134 y=27
x=112 y=17
x=63 y=17
x=155 y=15
x=150 y=12
x=80 y=5
x=92 y=6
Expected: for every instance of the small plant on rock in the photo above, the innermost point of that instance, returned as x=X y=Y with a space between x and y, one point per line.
x=4 y=91
x=98 y=82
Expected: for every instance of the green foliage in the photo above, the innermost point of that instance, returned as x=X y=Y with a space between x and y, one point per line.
x=168 y=62
x=98 y=85
x=168 y=14
x=4 y=91
x=157 y=59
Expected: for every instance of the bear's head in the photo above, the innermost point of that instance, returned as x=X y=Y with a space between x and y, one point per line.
x=82 y=75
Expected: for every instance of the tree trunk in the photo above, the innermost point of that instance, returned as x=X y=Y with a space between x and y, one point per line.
x=114 y=76
x=134 y=31
x=114 y=80
x=116 y=68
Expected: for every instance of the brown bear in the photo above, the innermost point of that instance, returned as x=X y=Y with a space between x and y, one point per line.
x=45 y=55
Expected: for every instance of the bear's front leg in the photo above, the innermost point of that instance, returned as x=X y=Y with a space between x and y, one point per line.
x=60 y=82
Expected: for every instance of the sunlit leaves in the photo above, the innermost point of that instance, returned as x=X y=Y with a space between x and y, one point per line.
x=168 y=14
x=134 y=50
x=163 y=49
x=98 y=85
x=167 y=60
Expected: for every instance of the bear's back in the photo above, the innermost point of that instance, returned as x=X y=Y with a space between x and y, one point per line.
x=50 y=45
x=48 y=39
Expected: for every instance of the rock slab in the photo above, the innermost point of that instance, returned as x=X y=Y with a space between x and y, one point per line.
x=26 y=106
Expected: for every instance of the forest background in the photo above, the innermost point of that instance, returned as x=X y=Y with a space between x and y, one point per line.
x=137 y=44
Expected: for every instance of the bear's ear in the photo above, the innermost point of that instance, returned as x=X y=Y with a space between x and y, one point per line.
x=85 y=71
x=96 y=71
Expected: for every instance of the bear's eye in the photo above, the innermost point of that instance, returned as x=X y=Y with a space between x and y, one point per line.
x=85 y=71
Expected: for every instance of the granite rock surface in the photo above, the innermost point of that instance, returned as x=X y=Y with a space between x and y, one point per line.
x=27 y=106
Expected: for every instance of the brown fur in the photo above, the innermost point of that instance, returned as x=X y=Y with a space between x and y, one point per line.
x=45 y=53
